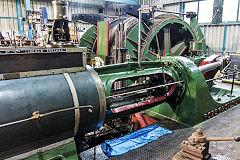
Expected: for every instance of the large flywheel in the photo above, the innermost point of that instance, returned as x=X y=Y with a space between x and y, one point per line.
x=168 y=33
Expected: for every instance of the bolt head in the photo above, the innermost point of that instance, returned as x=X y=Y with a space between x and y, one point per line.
x=199 y=132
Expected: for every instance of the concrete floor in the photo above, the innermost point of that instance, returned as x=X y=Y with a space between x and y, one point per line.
x=226 y=124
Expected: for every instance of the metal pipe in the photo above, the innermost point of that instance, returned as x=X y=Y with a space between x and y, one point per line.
x=139 y=36
x=209 y=67
x=221 y=139
x=160 y=86
x=171 y=12
x=173 y=3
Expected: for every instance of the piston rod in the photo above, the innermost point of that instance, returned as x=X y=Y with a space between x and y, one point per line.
x=159 y=86
x=209 y=67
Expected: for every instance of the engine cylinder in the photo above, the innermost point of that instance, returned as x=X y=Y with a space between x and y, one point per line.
x=19 y=98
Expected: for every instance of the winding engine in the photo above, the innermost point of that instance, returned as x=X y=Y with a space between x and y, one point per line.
x=50 y=97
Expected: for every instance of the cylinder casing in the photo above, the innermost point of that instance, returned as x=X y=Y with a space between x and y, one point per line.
x=19 y=98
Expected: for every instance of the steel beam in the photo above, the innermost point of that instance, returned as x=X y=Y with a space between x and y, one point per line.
x=77 y=4
x=221 y=24
x=181 y=9
x=177 y=2
x=139 y=36
x=238 y=10
x=224 y=38
x=19 y=17
x=8 y=18
x=28 y=8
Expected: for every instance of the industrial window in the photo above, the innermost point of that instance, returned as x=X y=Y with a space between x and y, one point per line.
x=230 y=10
x=205 y=10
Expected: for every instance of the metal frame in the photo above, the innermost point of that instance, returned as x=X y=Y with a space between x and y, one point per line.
x=8 y=18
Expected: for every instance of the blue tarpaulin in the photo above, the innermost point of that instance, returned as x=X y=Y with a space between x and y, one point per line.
x=133 y=140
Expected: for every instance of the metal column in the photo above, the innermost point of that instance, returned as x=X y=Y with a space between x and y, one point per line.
x=198 y=9
x=28 y=8
x=19 y=17
x=224 y=38
x=181 y=9
x=238 y=9
x=139 y=36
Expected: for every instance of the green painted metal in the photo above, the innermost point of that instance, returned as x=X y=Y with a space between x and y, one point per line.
x=197 y=60
x=174 y=36
x=200 y=37
x=168 y=31
x=198 y=101
x=64 y=152
x=132 y=39
x=191 y=102
x=111 y=73
x=167 y=41
x=89 y=40
x=102 y=39
x=196 y=46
